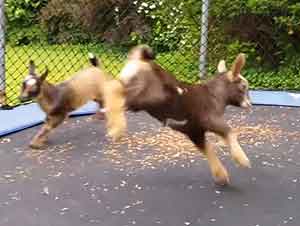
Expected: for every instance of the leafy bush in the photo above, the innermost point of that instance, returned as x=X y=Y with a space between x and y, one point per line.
x=22 y=17
x=174 y=23
x=26 y=35
x=88 y=20
x=62 y=20
x=271 y=26
x=23 y=12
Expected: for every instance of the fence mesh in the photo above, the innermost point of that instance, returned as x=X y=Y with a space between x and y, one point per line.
x=59 y=34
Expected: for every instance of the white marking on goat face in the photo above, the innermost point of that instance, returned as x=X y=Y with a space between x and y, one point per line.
x=129 y=71
x=30 y=85
x=31 y=82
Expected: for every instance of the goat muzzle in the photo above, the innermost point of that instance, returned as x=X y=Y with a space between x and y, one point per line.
x=246 y=104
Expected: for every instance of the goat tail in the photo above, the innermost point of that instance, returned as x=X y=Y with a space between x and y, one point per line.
x=94 y=60
x=147 y=53
x=114 y=103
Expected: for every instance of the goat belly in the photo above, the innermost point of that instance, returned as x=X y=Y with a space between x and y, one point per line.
x=80 y=95
x=169 y=110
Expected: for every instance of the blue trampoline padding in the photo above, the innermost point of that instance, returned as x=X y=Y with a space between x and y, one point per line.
x=30 y=115
x=275 y=98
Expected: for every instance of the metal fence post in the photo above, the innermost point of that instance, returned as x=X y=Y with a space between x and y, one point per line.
x=204 y=37
x=2 y=54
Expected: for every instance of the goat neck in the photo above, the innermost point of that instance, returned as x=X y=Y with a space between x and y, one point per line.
x=47 y=95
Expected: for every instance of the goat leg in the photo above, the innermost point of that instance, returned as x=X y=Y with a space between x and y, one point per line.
x=218 y=171
x=221 y=128
x=236 y=150
x=41 y=137
x=100 y=114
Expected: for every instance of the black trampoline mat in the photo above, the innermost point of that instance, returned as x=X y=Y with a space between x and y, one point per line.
x=154 y=176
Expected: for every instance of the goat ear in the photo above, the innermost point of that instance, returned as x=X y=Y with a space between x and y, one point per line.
x=44 y=75
x=31 y=67
x=222 y=66
x=238 y=65
x=148 y=53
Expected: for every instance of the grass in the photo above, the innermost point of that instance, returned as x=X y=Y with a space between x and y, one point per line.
x=64 y=60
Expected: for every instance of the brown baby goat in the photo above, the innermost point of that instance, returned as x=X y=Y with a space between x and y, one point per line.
x=190 y=109
x=57 y=101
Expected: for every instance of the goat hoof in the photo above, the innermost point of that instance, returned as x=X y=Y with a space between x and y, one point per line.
x=222 y=181
x=242 y=161
x=115 y=136
x=37 y=145
x=222 y=177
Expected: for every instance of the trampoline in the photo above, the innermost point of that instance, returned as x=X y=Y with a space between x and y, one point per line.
x=154 y=176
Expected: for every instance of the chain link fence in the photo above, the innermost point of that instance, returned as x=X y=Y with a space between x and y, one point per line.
x=189 y=37
x=59 y=34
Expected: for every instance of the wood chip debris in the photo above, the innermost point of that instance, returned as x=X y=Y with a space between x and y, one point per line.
x=152 y=147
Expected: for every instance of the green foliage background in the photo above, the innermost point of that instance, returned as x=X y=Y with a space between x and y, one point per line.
x=268 y=31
